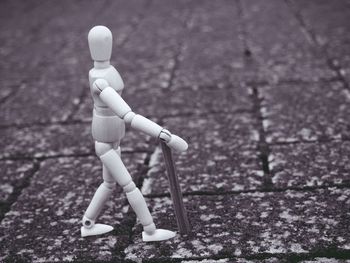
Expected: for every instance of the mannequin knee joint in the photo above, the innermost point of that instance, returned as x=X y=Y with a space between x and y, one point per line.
x=109 y=185
x=129 y=187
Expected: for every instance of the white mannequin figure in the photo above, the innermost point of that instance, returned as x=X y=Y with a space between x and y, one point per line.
x=110 y=114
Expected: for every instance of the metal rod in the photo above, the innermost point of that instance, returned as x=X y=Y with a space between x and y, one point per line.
x=175 y=191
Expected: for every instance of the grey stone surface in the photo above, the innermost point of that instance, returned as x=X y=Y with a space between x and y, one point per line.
x=326 y=260
x=158 y=103
x=56 y=62
x=18 y=30
x=149 y=74
x=153 y=47
x=305 y=111
x=57 y=140
x=210 y=39
x=227 y=260
x=310 y=164
x=44 y=91
x=190 y=101
x=279 y=44
x=218 y=159
x=268 y=260
x=45 y=141
x=13 y=175
x=331 y=33
x=50 y=209
x=259 y=90
x=289 y=222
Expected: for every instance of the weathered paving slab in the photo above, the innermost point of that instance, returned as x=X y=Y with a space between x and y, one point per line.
x=287 y=223
x=238 y=260
x=159 y=103
x=45 y=141
x=8 y=86
x=325 y=260
x=154 y=48
x=20 y=33
x=13 y=177
x=227 y=260
x=44 y=224
x=222 y=155
x=281 y=47
x=30 y=105
x=310 y=164
x=18 y=30
x=54 y=83
x=148 y=75
x=190 y=66
x=305 y=111
x=213 y=50
x=331 y=33
x=190 y=101
x=16 y=8
x=53 y=140
x=268 y=260
x=46 y=93
x=206 y=261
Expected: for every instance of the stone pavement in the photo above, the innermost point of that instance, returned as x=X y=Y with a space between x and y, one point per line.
x=260 y=89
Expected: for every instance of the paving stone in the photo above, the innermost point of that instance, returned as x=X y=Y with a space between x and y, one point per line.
x=15 y=8
x=222 y=156
x=19 y=29
x=44 y=224
x=305 y=111
x=147 y=60
x=54 y=84
x=181 y=61
x=227 y=260
x=143 y=91
x=281 y=47
x=41 y=141
x=213 y=50
x=328 y=21
x=12 y=175
x=61 y=33
x=29 y=105
x=46 y=92
x=8 y=87
x=284 y=223
x=268 y=260
x=325 y=260
x=52 y=140
x=190 y=101
x=206 y=261
x=42 y=40
x=310 y=164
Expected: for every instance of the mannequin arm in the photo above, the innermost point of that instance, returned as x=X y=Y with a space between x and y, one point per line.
x=116 y=103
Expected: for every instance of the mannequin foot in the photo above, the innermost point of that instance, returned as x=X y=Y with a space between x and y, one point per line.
x=158 y=235
x=97 y=229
